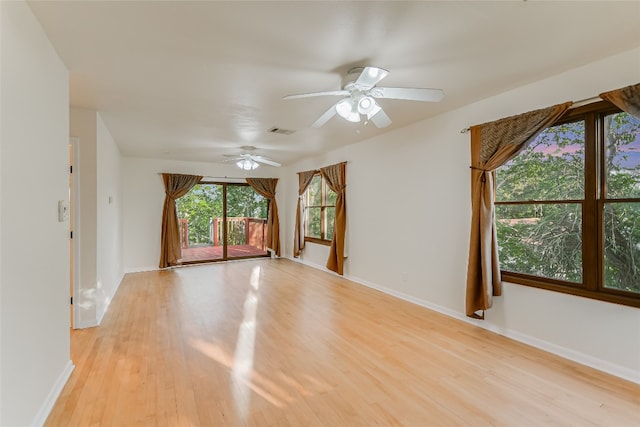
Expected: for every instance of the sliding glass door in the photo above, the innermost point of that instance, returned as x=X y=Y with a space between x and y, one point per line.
x=221 y=221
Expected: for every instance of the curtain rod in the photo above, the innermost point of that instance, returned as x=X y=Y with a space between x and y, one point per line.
x=578 y=103
x=224 y=177
x=213 y=177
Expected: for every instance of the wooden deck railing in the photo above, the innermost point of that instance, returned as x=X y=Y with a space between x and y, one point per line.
x=240 y=231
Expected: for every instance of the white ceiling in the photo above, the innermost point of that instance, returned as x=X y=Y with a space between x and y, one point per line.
x=196 y=80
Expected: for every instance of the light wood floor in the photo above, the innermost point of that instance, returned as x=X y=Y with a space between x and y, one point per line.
x=275 y=343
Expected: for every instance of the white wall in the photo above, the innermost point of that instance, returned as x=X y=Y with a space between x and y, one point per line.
x=408 y=202
x=109 y=268
x=99 y=227
x=83 y=124
x=34 y=261
x=143 y=199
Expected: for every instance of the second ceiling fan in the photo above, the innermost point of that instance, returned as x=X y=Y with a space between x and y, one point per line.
x=360 y=93
x=248 y=161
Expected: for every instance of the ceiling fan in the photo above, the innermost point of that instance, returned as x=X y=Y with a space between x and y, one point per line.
x=249 y=161
x=360 y=93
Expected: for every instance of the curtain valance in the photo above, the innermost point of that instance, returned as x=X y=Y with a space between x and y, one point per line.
x=627 y=99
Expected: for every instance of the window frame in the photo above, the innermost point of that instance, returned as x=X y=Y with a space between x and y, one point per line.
x=225 y=253
x=593 y=203
x=324 y=189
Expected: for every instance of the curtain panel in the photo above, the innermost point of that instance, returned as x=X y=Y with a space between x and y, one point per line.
x=336 y=177
x=304 y=179
x=627 y=99
x=266 y=187
x=492 y=145
x=175 y=186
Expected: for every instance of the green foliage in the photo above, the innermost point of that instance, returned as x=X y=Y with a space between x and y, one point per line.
x=547 y=242
x=313 y=222
x=243 y=201
x=320 y=200
x=331 y=220
x=199 y=206
x=622 y=246
x=546 y=239
x=314 y=191
x=205 y=202
x=551 y=168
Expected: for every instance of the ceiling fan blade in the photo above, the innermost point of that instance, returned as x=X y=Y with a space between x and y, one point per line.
x=370 y=76
x=324 y=118
x=408 y=93
x=266 y=161
x=311 y=94
x=231 y=159
x=380 y=119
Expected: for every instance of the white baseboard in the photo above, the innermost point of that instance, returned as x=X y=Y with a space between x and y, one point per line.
x=101 y=309
x=48 y=403
x=86 y=324
x=575 y=356
x=140 y=269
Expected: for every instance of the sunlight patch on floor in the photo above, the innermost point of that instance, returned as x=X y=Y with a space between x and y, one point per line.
x=245 y=348
x=213 y=351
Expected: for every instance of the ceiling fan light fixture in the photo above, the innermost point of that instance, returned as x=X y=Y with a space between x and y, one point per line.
x=375 y=110
x=348 y=110
x=247 y=164
x=365 y=104
x=368 y=106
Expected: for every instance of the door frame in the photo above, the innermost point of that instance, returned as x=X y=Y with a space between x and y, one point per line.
x=225 y=253
x=74 y=200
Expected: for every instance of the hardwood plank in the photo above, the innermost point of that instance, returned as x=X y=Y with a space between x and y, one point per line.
x=275 y=343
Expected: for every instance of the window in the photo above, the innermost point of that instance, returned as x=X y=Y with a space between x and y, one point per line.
x=320 y=211
x=568 y=207
x=220 y=221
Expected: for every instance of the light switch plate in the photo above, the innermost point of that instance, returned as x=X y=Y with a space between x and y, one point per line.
x=63 y=210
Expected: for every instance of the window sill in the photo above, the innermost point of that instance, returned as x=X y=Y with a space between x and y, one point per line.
x=609 y=295
x=318 y=241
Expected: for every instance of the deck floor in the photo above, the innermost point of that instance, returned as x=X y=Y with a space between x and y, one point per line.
x=212 y=253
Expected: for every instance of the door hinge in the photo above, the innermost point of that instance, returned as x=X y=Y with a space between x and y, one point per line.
x=71 y=234
x=71 y=300
x=71 y=169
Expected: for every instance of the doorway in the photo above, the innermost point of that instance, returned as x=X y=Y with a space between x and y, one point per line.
x=222 y=221
x=74 y=226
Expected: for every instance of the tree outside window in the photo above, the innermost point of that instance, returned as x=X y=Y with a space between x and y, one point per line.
x=320 y=211
x=568 y=207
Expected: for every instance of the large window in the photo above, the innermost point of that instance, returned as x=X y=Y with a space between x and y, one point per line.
x=220 y=221
x=568 y=207
x=320 y=211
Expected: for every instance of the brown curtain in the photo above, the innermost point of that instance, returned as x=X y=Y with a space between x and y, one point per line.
x=492 y=145
x=627 y=99
x=175 y=186
x=304 y=179
x=266 y=187
x=336 y=177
